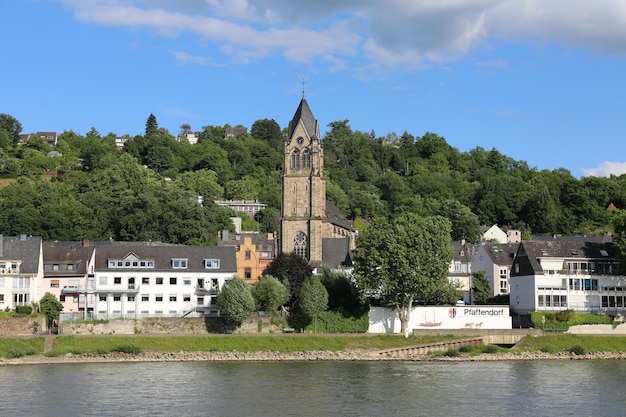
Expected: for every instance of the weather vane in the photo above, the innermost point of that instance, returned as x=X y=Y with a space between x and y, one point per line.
x=302 y=76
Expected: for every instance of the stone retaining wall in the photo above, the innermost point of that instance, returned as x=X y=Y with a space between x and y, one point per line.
x=20 y=326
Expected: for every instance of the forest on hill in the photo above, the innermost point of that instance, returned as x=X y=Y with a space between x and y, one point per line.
x=148 y=189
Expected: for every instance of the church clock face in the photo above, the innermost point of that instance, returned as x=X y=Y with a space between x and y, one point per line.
x=300 y=140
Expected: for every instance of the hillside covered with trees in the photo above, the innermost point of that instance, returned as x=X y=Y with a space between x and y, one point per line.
x=148 y=189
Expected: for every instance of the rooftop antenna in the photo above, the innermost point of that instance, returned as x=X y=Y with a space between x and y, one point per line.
x=302 y=76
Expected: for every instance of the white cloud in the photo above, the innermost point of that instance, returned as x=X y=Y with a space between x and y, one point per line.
x=394 y=33
x=605 y=169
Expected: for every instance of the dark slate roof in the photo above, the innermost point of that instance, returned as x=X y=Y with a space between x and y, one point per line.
x=67 y=253
x=462 y=251
x=568 y=249
x=502 y=253
x=606 y=238
x=336 y=252
x=163 y=253
x=22 y=248
x=305 y=114
x=335 y=217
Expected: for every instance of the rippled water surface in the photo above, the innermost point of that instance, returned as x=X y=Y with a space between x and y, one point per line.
x=542 y=388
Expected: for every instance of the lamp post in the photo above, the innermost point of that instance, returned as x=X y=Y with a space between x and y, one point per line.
x=543 y=322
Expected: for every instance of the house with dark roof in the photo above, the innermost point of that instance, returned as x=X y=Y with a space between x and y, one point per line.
x=21 y=271
x=151 y=279
x=496 y=260
x=254 y=252
x=66 y=267
x=567 y=274
x=460 y=269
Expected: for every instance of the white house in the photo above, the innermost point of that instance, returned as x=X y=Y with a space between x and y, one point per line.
x=460 y=268
x=21 y=270
x=580 y=274
x=140 y=279
x=495 y=260
x=493 y=234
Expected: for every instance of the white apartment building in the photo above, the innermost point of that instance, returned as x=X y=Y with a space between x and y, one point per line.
x=143 y=279
x=567 y=274
x=495 y=259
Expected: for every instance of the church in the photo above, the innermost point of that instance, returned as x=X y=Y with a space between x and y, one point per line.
x=310 y=225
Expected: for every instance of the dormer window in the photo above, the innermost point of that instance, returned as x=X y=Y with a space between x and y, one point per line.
x=212 y=263
x=179 y=263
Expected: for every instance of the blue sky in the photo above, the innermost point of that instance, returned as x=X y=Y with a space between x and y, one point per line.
x=541 y=81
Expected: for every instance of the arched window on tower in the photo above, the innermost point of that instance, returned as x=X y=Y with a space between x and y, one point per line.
x=295 y=159
x=300 y=244
x=306 y=159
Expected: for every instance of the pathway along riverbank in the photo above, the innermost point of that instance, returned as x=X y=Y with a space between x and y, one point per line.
x=351 y=355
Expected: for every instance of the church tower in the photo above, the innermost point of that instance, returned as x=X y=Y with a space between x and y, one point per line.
x=303 y=210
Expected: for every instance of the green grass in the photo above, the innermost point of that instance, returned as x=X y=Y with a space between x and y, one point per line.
x=10 y=347
x=242 y=343
x=565 y=342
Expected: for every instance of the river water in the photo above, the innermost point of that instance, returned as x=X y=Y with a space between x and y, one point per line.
x=534 y=388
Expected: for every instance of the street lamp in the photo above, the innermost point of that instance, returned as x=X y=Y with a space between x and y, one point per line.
x=543 y=322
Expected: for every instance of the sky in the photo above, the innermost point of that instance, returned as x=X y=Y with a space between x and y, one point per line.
x=543 y=81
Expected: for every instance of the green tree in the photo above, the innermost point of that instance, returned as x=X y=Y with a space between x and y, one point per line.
x=50 y=307
x=405 y=262
x=235 y=301
x=291 y=269
x=619 y=236
x=269 y=293
x=11 y=126
x=151 y=127
x=313 y=299
x=480 y=287
x=343 y=295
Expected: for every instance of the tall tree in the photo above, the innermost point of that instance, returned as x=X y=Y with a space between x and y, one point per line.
x=269 y=293
x=50 y=307
x=405 y=262
x=151 y=126
x=480 y=287
x=235 y=301
x=291 y=269
x=11 y=126
x=313 y=299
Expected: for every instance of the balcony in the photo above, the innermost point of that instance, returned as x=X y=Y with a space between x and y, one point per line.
x=211 y=289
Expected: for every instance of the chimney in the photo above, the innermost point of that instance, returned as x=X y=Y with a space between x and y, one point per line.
x=85 y=243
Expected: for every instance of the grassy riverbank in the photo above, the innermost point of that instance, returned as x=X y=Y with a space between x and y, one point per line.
x=283 y=344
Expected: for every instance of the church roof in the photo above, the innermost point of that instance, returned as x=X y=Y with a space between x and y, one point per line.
x=335 y=217
x=305 y=114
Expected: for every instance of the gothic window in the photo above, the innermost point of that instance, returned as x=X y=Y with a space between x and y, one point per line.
x=300 y=244
x=295 y=160
x=306 y=159
x=293 y=188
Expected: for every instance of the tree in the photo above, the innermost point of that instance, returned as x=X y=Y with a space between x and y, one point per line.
x=11 y=126
x=619 y=236
x=406 y=261
x=313 y=299
x=342 y=293
x=269 y=293
x=50 y=307
x=291 y=269
x=151 y=126
x=480 y=287
x=235 y=301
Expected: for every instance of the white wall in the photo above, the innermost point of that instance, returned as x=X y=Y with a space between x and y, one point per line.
x=385 y=320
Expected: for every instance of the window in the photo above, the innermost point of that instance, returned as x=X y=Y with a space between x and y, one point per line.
x=145 y=298
x=172 y=298
x=159 y=281
x=300 y=244
x=306 y=159
x=248 y=255
x=117 y=280
x=131 y=298
x=117 y=298
x=540 y=300
x=503 y=285
x=1 y=282
x=102 y=298
x=186 y=282
x=103 y=280
x=111 y=264
x=131 y=283
x=248 y=273
x=150 y=264
x=158 y=298
x=179 y=263
x=62 y=298
x=295 y=159
x=200 y=283
x=186 y=298
x=172 y=280
x=54 y=283
x=201 y=300
x=212 y=263
x=21 y=299
x=21 y=283
x=1 y=298
x=145 y=280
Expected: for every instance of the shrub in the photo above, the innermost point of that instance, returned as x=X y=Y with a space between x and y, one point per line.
x=332 y=322
x=490 y=349
x=578 y=350
x=130 y=349
x=452 y=353
x=546 y=349
x=25 y=310
x=466 y=348
x=21 y=352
